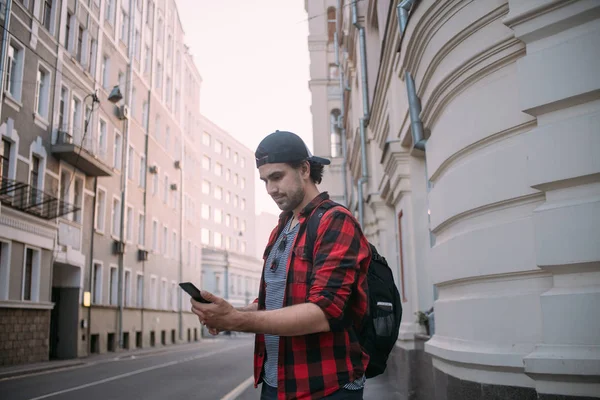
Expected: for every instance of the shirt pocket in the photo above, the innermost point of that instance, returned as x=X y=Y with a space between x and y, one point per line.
x=302 y=266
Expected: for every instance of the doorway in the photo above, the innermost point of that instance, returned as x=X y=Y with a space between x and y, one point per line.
x=64 y=317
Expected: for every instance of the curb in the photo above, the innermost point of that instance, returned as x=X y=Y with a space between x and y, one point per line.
x=35 y=370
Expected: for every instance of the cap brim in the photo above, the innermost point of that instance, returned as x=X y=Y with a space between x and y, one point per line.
x=319 y=160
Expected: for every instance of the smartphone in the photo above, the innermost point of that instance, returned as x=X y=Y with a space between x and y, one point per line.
x=193 y=291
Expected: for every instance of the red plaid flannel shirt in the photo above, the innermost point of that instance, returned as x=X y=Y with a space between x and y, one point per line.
x=316 y=365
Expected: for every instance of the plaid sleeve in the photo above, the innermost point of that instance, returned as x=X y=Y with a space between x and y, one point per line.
x=339 y=251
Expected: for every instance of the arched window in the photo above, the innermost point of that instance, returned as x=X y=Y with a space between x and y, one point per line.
x=335 y=134
x=331 y=23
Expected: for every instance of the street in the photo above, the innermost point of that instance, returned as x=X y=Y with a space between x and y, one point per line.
x=211 y=370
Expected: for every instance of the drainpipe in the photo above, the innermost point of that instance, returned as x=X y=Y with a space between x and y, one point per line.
x=403 y=9
x=124 y=170
x=365 y=119
x=91 y=278
x=339 y=122
x=414 y=107
x=4 y=47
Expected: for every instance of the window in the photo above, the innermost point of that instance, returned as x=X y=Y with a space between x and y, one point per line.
x=97 y=284
x=235 y=157
x=130 y=160
x=47 y=14
x=236 y=200
x=227 y=220
x=174 y=246
x=114 y=283
x=243 y=228
x=124 y=26
x=218 y=240
x=31 y=275
x=154 y=184
x=129 y=224
x=158 y=77
x=227 y=174
x=153 y=292
x=218 y=193
x=205 y=187
x=65 y=178
x=166 y=190
x=78 y=199
x=218 y=169
x=141 y=229
x=137 y=45
x=104 y=72
x=235 y=179
x=142 y=175
x=168 y=91
x=163 y=294
x=205 y=211
x=206 y=163
x=79 y=49
x=335 y=134
x=68 y=31
x=174 y=304
x=100 y=209
x=218 y=146
x=147 y=56
x=42 y=92
x=157 y=128
x=150 y=13
x=218 y=216
x=167 y=138
x=76 y=120
x=165 y=241
x=331 y=23
x=154 y=236
x=145 y=116
x=116 y=217
x=243 y=162
x=243 y=183
x=34 y=174
x=205 y=236
x=109 y=13
x=227 y=197
x=91 y=61
x=227 y=152
x=14 y=73
x=140 y=291
x=127 y=289
x=117 y=151
x=206 y=139
x=102 y=138
x=5 y=167
x=243 y=204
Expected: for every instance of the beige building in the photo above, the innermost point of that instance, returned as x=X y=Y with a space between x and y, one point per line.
x=100 y=197
x=470 y=148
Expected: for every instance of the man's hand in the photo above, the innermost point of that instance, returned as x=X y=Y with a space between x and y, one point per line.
x=217 y=316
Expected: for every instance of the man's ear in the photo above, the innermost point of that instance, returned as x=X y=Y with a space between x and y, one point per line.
x=306 y=169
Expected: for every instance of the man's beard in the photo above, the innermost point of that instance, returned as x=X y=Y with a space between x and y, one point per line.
x=292 y=200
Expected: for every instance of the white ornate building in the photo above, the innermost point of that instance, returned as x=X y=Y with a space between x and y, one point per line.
x=470 y=135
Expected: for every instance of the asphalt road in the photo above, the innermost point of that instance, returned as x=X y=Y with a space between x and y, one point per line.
x=211 y=370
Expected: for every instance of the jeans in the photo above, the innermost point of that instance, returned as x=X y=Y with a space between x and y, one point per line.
x=270 y=393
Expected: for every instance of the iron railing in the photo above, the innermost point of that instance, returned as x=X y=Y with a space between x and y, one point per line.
x=24 y=197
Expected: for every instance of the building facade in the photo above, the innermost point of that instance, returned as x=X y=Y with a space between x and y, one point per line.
x=100 y=197
x=469 y=153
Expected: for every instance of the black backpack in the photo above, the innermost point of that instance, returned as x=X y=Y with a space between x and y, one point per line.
x=381 y=327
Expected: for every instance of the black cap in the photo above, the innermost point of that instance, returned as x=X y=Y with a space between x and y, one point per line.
x=284 y=147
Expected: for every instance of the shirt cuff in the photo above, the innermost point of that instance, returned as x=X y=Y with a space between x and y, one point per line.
x=333 y=312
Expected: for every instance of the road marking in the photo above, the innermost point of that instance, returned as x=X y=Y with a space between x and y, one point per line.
x=137 y=372
x=239 y=389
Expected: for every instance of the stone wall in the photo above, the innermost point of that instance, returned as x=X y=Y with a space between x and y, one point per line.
x=410 y=375
x=24 y=335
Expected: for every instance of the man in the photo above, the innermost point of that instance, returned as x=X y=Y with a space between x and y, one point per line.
x=309 y=309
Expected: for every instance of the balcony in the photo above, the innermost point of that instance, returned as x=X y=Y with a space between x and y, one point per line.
x=84 y=155
x=23 y=197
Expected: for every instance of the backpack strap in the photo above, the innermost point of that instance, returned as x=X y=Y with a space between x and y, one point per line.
x=313 y=225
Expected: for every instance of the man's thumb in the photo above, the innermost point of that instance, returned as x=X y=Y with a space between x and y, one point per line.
x=208 y=296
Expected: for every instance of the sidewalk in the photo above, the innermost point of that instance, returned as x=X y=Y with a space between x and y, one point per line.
x=53 y=365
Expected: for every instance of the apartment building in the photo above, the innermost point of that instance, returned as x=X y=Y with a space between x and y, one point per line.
x=229 y=266
x=98 y=223
x=469 y=135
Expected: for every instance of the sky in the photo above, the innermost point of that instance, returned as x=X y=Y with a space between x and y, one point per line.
x=254 y=62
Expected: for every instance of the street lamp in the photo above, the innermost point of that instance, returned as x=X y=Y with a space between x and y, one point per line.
x=115 y=95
